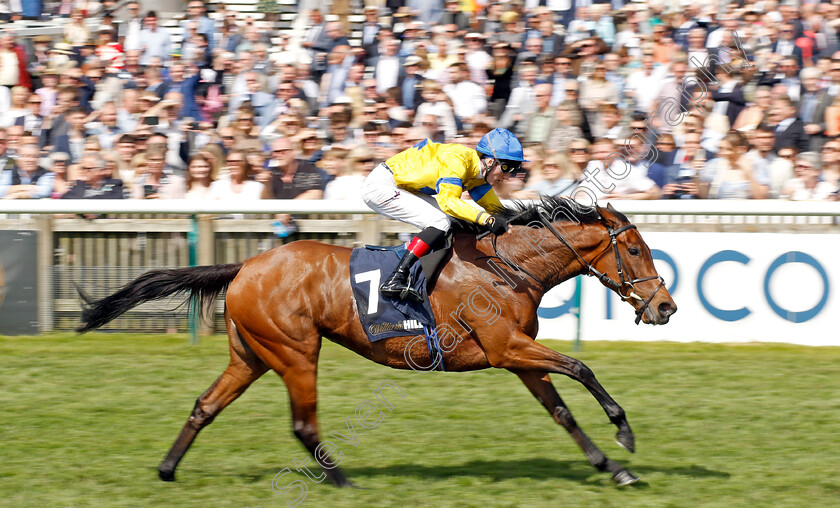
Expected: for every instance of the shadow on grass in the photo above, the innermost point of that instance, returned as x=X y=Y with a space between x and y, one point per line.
x=693 y=470
x=499 y=470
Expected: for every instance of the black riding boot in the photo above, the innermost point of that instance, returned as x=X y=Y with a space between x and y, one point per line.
x=398 y=285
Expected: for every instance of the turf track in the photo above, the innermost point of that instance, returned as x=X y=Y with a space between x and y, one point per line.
x=87 y=419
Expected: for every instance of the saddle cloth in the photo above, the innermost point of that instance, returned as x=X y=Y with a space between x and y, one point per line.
x=383 y=318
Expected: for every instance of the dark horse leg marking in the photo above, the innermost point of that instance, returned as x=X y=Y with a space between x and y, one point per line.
x=244 y=368
x=542 y=388
x=522 y=353
x=296 y=361
x=301 y=384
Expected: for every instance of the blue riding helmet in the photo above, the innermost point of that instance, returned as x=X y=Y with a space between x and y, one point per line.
x=503 y=146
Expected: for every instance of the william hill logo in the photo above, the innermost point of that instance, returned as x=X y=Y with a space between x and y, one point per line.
x=408 y=324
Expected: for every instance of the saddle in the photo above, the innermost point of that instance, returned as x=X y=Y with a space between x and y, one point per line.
x=383 y=318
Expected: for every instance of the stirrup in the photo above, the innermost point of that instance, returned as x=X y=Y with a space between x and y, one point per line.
x=410 y=293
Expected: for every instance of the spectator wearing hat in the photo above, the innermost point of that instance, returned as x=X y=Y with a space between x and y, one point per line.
x=477 y=57
x=40 y=57
x=410 y=83
x=26 y=179
x=511 y=33
x=155 y=42
x=411 y=36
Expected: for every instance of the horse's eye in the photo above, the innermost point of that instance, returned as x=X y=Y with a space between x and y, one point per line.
x=633 y=251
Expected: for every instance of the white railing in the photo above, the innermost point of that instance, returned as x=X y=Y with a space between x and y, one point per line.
x=190 y=207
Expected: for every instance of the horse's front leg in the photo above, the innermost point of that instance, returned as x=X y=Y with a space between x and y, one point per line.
x=540 y=385
x=522 y=353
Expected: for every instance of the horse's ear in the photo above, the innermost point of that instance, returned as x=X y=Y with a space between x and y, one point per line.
x=611 y=215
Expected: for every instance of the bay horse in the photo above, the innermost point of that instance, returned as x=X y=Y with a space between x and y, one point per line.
x=279 y=305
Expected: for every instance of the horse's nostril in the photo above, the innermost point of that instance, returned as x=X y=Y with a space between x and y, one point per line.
x=666 y=309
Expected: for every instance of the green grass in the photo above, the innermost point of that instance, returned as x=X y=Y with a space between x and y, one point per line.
x=85 y=420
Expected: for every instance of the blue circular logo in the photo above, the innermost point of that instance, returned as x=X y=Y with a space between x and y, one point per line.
x=796 y=257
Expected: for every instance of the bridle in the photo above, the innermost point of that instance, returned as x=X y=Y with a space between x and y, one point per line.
x=617 y=286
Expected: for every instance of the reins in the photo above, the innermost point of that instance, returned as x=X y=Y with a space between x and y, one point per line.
x=630 y=294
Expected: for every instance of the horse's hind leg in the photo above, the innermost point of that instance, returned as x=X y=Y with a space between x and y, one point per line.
x=301 y=382
x=244 y=368
x=295 y=359
x=542 y=388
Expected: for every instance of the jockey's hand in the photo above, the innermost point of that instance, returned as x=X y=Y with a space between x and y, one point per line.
x=497 y=224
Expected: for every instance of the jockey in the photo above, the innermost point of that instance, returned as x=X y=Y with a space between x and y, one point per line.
x=402 y=188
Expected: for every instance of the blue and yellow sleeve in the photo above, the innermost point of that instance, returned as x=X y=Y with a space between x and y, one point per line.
x=450 y=186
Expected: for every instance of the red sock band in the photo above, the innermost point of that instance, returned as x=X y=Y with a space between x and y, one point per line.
x=418 y=247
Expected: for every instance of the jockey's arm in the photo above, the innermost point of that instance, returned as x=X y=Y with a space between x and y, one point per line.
x=450 y=186
x=449 y=199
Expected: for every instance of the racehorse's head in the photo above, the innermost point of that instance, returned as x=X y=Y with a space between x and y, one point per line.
x=626 y=267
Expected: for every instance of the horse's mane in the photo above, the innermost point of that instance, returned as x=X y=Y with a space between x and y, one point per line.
x=555 y=207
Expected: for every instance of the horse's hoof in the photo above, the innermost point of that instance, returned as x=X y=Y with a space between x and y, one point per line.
x=624 y=477
x=626 y=440
x=167 y=476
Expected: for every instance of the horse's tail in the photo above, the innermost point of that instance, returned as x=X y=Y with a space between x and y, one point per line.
x=203 y=283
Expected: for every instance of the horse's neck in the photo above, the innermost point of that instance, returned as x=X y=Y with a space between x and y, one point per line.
x=547 y=257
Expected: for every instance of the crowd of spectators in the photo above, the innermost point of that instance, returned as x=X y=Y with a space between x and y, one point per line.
x=228 y=109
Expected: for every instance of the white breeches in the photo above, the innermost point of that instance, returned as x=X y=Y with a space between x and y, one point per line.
x=381 y=193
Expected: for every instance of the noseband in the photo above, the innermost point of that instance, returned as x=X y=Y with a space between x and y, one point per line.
x=619 y=286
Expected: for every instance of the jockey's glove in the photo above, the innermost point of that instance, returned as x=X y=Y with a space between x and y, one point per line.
x=497 y=224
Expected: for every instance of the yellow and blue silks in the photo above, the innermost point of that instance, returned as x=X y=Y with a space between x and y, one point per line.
x=445 y=171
